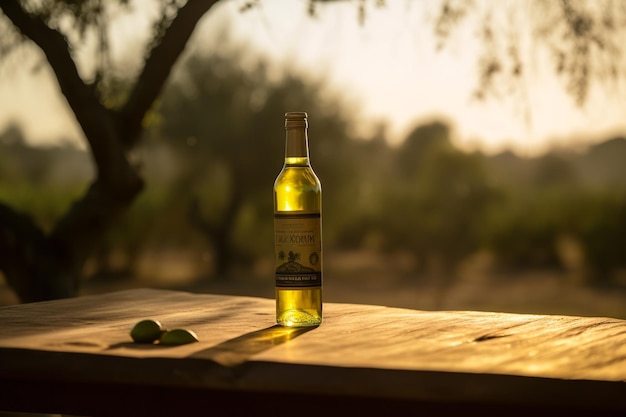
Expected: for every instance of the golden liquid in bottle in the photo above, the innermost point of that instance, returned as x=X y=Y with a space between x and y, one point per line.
x=298 y=193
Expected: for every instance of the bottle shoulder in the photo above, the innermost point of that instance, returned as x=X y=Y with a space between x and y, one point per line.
x=303 y=175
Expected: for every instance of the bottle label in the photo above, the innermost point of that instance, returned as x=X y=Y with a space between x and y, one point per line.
x=298 y=249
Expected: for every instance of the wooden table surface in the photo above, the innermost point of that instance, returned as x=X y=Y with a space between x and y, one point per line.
x=76 y=356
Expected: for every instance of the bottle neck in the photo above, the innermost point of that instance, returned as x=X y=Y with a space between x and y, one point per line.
x=297 y=146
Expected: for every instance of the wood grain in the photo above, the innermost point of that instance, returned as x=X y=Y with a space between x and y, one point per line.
x=360 y=351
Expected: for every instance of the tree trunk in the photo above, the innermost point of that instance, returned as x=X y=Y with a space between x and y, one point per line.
x=42 y=267
x=218 y=234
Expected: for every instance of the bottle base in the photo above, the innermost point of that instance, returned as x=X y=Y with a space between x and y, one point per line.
x=298 y=318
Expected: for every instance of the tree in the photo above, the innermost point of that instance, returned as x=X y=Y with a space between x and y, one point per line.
x=40 y=265
x=231 y=143
x=445 y=198
x=419 y=145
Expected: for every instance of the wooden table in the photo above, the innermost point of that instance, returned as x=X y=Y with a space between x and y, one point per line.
x=75 y=356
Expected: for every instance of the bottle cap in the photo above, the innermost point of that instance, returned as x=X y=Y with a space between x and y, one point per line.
x=296 y=120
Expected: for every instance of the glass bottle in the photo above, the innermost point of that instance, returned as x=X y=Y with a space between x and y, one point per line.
x=298 y=231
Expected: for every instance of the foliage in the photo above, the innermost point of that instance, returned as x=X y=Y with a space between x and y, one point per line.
x=41 y=180
x=601 y=229
x=523 y=231
x=440 y=200
x=583 y=40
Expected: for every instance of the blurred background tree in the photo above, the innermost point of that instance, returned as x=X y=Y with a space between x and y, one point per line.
x=229 y=142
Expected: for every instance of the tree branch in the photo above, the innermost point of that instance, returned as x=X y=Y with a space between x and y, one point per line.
x=94 y=119
x=158 y=67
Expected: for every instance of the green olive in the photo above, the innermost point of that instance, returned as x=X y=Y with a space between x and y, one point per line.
x=178 y=337
x=147 y=331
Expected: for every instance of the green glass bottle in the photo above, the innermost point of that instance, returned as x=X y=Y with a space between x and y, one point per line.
x=298 y=231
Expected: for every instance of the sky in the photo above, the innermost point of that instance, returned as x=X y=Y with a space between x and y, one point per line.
x=387 y=68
